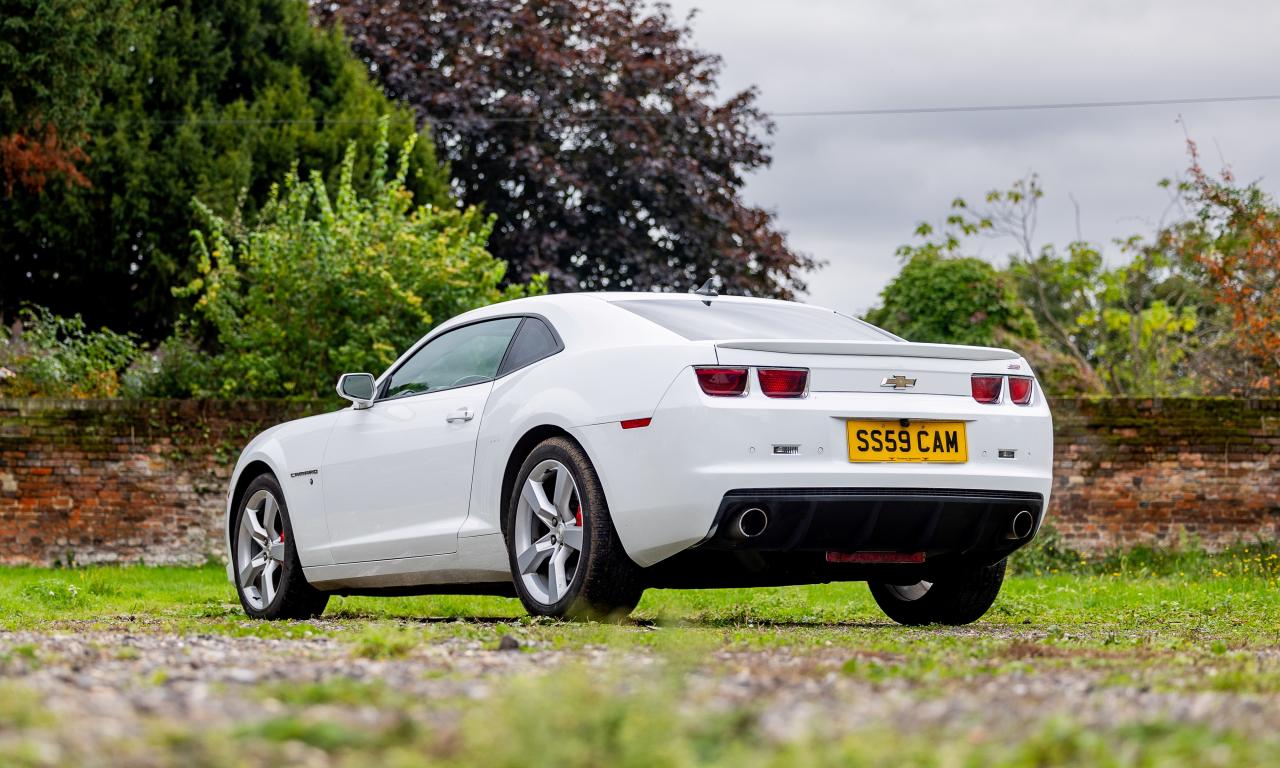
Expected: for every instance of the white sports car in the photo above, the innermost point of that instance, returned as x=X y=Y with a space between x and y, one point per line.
x=577 y=449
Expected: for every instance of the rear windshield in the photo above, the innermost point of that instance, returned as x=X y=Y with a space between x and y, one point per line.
x=697 y=321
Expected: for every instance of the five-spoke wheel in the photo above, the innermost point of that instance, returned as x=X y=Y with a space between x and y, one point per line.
x=269 y=578
x=548 y=531
x=566 y=559
x=260 y=549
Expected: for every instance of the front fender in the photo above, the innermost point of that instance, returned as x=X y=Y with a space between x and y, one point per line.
x=293 y=453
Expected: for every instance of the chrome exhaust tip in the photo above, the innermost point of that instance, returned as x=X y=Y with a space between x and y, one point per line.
x=1021 y=525
x=750 y=523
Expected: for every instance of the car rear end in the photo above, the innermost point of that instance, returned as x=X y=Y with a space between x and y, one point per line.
x=806 y=459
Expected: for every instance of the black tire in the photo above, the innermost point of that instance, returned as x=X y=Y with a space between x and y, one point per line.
x=959 y=597
x=606 y=584
x=294 y=598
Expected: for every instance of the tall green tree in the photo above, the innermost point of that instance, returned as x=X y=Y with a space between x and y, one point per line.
x=593 y=130
x=55 y=58
x=214 y=100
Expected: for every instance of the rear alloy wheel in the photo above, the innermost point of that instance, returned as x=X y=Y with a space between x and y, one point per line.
x=269 y=578
x=566 y=559
x=959 y=597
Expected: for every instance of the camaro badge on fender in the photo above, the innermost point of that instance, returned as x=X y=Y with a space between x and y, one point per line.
x=898 y=381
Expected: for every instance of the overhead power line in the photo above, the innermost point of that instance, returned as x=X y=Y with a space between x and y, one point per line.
x=1023 y=107
x=568 y=117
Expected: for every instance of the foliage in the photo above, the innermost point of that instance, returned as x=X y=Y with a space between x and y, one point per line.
x=213 y=100
x=1234 y=237
x=45 y=355
x=592 y=131
x=324 y=283
x=55 y=55
x=953 y=300
x=1128 y=330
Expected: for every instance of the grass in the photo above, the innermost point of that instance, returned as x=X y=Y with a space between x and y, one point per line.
x=1175 y=622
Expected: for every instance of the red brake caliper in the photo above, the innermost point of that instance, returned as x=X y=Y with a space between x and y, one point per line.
x=577 y=516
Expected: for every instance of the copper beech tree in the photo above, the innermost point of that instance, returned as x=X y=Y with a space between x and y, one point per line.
x=592 y=130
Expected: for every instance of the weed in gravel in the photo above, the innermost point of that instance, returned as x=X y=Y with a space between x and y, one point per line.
x=382 y=641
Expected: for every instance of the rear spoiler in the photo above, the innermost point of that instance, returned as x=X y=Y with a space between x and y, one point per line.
x=872 y=348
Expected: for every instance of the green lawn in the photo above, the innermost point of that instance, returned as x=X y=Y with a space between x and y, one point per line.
x=1174 y=627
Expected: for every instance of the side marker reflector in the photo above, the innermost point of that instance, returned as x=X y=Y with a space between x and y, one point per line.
x=635 y=423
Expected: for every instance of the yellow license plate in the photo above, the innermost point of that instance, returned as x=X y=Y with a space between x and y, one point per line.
x=919 y=441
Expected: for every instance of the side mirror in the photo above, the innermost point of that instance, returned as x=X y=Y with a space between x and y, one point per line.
x=358 y=388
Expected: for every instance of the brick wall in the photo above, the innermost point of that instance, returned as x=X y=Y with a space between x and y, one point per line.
x=122 y=481
x=1131 y=472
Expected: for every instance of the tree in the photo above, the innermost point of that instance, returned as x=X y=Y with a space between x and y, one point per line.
x=1134 y=329
x=952 y=300
x=327 y=281
x=1232 y=238
x=56 y=55
x=591 y=130
x=212 y=100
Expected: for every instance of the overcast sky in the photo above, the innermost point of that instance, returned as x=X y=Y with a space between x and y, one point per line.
x=849 y=190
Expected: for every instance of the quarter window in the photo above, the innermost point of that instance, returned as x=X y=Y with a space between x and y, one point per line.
x=533 y=342
x=468 y=355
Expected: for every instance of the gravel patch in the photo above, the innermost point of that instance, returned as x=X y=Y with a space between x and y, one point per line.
x=105 y=686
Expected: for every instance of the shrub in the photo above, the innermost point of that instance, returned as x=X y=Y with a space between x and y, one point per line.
x=45 y=355
x=326 y=283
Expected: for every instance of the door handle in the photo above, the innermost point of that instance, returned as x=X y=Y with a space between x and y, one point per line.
x=462 y=414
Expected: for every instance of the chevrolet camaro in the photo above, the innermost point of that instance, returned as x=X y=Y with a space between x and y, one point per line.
x=574 y=450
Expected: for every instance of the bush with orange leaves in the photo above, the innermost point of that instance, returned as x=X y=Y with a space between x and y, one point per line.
x=1233 y=236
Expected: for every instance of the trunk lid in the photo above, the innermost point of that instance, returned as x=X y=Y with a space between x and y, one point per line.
x=892 y=367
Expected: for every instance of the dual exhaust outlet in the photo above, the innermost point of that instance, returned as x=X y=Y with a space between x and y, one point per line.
x=753 y=521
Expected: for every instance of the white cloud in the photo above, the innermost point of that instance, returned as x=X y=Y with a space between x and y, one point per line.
x=849 y=190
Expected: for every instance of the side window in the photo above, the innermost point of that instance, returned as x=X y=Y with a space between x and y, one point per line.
x=533 y=342
x=468 y=355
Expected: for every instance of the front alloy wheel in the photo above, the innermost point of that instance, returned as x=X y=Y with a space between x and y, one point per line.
x=260 y=549
x=269 y=577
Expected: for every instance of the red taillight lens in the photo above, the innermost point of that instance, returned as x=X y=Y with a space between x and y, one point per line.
x=722 y=382
x=783 y=382
x=986 y=389
x=1020 y=389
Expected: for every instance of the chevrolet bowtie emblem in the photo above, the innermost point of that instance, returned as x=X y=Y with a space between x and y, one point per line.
x=898 y=381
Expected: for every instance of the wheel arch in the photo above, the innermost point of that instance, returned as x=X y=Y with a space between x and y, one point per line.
x=251 y=471
x=523 y=447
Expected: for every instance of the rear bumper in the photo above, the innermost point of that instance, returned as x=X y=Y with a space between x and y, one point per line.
x=938 y=525
x=938 y=530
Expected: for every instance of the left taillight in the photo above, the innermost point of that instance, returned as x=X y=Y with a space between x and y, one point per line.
x=722 y=382
x=783 y=382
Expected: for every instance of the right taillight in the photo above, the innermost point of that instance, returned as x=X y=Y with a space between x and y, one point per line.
x=722 y=382
x=1020 y=389
x=986 y=389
